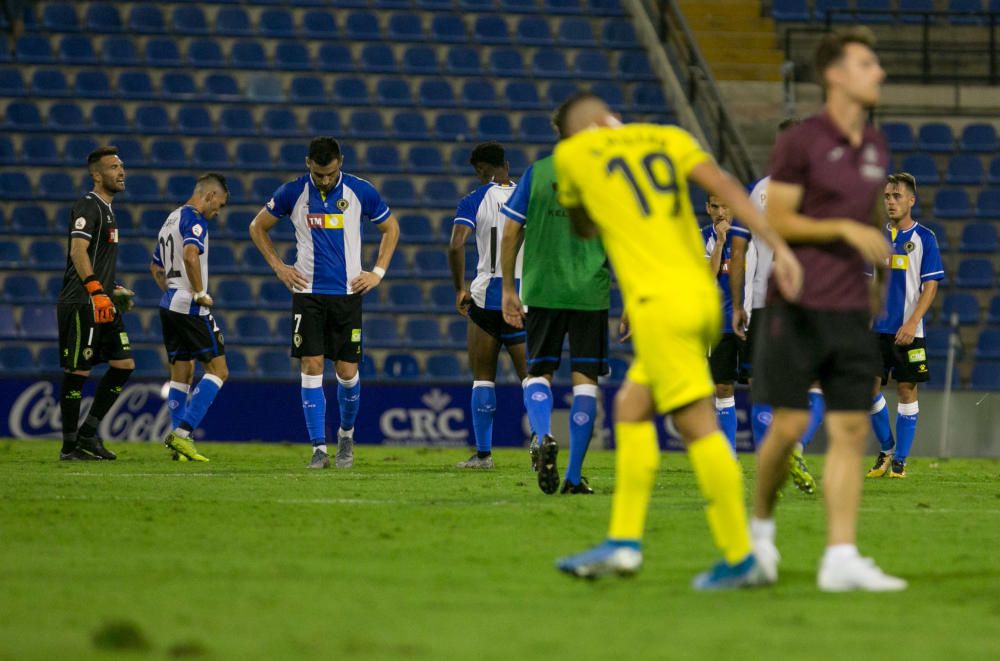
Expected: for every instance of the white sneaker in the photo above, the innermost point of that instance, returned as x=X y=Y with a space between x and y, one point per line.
x=767 y=559
x=856 y=573
x=345 y=450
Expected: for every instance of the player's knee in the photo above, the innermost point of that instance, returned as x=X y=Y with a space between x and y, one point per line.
x=127 y=364
x=312 y=365
x=724 y=390
x=788 y=427
x=218 y=369
x=907 y=392
x=345 y=371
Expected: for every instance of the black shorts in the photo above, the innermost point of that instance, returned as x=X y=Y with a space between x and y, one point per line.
x=799 y=346
x=753 y=330
x=904 y=364
x=491 y=321
x=725 y=357
x=83 y=343
x=191 y=336
x=588 y=340
x=327 y=325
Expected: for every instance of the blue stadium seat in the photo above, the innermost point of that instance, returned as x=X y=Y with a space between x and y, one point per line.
x=221 y=87
x=648 y=97
x=936 y=137
x=57 y=186
x=399 y=193
x=618 y=368
x=135 y=329
x=423 y=332
x=120 y=52
x=380 y=332
x=952 y=203
x=206 y=54
x=966 y=12
x=634 y=65
x=988 y=346
x=30 y=220
x=103 y=18
x=940 y=234
x=135 y=85
x=12 y=83
x=550 y=63
x=417 y=228
x=13 y=186
x=979 y=238
x=963 y=170
x=490 y=29
x=188 y=20
x=916 y=10
x=319 y=24
x=350 y=91
x=212 y=154
x=110 y=118
x=442 y=299
x=263 y=188
x=988 y=204
x=247 y=54
x=835 y=9
x=979 y=138
x=383 y=158
x=292 y=56
x=367 y=368
x=405 y=297
x=147 y=292
x=619 y=34
x=495 y=126
x=986 y=376
x=476 y=5
x=537 y=128
x=274 y=296
x=195 y=120
x=518 y=160
x=427 y=160
x=33 y=49
x=899 y=135
x=335 y=57
x=133 y=258
x=576 y=32
x=457 y=329
x=559 y=91
x=239 y=366
x=975 y=273
x=405 y=27
x=362 y=26
x=431 y=263
x=420 y=60
x=592 y=65
x=411 y=125
x=77 y=149
x=39 y=323
x=77 y=50
x=142 y=188
x=447 y=28
x=441 y=194
x=8 y=329
x=67 y=117
x=463 y=61
x=276 y=23
x=367 y=124
x=378 y=58
x=520 y=6
x=253 y=329
x=292 y=155
x=279 y=122
x=393 y=92
x=616 y=303
x=39 y=150
x=49 y=82
x=16 y=359
x=534 y=31
x=92 y=85
x=60 y=17
x=507 y=62
x=148 y=362
x=47 y=255
x=7 y=153
x=402 y=367
x=236 y=122
x=923 y=168
x=571 y=7
x=790 y=11
x=146 y=19
x=307 y=90
x=251 y=155
x=232 y=22
x=163 y=53
x=937 y=340
x=21 y=289
x=436 y=93
x=993 y=315
x=445 y=367
x=151 y=221
x=478 y=93
x=224 y=259
x=276 y=364
x=522 y=95
x=168 y=153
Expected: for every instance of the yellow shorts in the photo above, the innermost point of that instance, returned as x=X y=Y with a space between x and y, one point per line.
x=671 y=345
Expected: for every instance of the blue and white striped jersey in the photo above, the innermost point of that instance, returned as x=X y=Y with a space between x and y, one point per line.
x=480 y=210
x=184 y=226
x=710 y=238
x=915 y=260
x=328 y=229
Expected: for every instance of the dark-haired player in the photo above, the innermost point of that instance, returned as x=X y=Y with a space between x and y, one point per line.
x=91 y=330
x=326 y=207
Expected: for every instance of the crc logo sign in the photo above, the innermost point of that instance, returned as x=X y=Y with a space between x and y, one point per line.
x=140 y=413
x=436 y=424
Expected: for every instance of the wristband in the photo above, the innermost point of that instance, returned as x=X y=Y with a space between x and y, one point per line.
x=93 y=285
x=203 y=292
x=379 y=271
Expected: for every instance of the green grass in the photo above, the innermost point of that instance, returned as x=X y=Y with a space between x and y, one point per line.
x=252 y=556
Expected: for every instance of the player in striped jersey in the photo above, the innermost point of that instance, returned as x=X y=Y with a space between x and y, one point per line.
x=190 y=332
x=326 y=207
x=479 y=212
x=914 y=271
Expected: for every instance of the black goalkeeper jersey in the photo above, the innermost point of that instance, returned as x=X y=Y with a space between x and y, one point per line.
x=91 y=219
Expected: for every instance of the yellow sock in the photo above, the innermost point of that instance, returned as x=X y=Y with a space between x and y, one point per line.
x=637 y=458
x=720 y=479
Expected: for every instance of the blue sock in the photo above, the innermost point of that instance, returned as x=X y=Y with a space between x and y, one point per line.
x=760 y=422
x=484 y=407
x=538 y=403
x=177 y=399
x=581 y=428
x=817 y=409
x=725 y=408
x=349 y=400
x=880 y=423
x=314 y=408
x=202 y=397
x=906 y=429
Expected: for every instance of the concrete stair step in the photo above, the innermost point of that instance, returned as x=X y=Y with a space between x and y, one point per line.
x=728 y=53
x=748 y=40
x=749 y=72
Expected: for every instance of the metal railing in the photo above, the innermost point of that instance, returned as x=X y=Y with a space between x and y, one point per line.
x=936 y=48
x=699 y=88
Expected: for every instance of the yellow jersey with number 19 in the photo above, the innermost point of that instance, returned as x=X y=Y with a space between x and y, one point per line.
x=632 y=180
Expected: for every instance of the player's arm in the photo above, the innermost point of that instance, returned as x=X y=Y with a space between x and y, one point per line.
x=460 y=234
x=715 y=259
x=788 y=271
x=191 y=257
x=104 y=309
x=259 y=234
x=583 y=225
x=159 y=275
x=368 y=280
x=737 y=264
x=510 y=245
x=908 y=331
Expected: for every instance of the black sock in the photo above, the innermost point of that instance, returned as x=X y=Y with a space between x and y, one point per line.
x=107 y=393
x=69 y=405
x=483 y=455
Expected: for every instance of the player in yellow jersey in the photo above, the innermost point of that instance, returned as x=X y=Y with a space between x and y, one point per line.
x=629 y=183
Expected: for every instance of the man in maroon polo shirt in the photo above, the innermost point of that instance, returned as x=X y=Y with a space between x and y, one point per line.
x=826 y=176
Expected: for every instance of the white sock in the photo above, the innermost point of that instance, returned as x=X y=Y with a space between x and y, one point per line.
x=762 y=529
x=321 y=447
x=349 y=433
x=840 y=552
x=182 y=433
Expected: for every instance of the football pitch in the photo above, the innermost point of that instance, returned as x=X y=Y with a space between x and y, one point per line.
x=253 y=556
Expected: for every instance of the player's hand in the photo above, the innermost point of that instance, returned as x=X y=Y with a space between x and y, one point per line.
x=121 y=296
x=740 y=322
x=722 y=229
x=787 y=272
x=906 y=334
x=513 y=309
x=463 y=300
x=104 y=309
x=624 y=329
x=291 y=277
x=205 y=300
x=365 y=282
x=870 y=242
